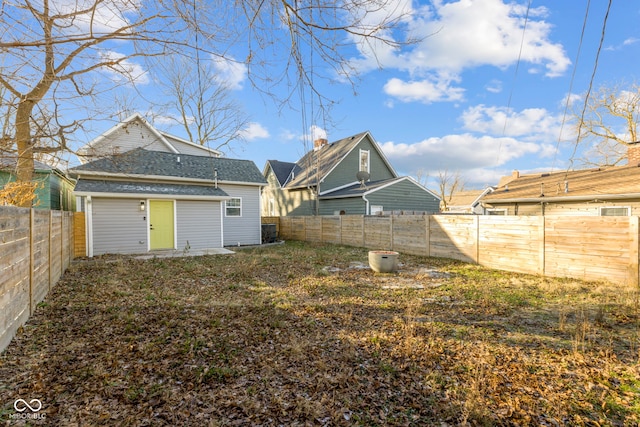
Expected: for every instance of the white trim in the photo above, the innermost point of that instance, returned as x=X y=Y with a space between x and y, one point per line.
x=588 y=197
x=504 y=211
x=404 y=178
x=628 y=208
x=322 y=193
x=221 y=225
x=193 y=144
x=368 y=160
x=233 y=207
x=150 y=195
x=88 y=218
x=165 y=178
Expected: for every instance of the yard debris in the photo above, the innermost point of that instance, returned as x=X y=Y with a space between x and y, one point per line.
x=268 y=336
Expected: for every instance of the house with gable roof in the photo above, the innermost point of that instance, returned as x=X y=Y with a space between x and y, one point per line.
x=350 y=176
x=143 y=190
x=602 y=191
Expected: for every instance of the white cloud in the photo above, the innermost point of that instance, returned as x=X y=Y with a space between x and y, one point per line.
x=534 y=123
x=123 y=69
x=466 y=33
x=494 y=137
x=457 y=152
x=254 y=131
x=229 y=72
x=100 y=17
x=424 y=91
x=460 y=35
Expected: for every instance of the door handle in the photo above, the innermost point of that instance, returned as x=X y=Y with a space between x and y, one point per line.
x=150 y=226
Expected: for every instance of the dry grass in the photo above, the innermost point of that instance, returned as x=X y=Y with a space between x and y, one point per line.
x=271 y=337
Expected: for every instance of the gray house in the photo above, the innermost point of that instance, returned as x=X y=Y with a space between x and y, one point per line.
x=349 y=176
x=146 y=199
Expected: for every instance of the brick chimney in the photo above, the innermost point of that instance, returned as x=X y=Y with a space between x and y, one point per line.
x=633 y=153
x=319 y=143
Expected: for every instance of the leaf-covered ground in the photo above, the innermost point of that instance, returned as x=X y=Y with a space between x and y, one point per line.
x=301 y=334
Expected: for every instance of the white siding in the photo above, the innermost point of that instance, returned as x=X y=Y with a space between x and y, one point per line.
x=198 y=222
x=134 y=135
x=118 y=226
x=246 y=229
x=194 y=150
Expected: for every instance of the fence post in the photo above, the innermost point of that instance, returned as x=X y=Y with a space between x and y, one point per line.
x=32 y=236
x=634 y=250
x=541 y=245
x=476 y=220
x=50 y=247
x=427 y=227
x=391 y=230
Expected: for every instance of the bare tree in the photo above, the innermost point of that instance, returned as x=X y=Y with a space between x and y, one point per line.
x=609 y=122
x=203 y=101
x=448 y=183
x=58 y=57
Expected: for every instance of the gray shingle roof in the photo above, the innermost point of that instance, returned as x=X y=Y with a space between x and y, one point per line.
x=320 y=162
x=282 y=170
x=101 y=186
x=145 y=162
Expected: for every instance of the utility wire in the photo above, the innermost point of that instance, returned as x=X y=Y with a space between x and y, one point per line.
x=586 y=98
x=515 y=76
x=573 y=75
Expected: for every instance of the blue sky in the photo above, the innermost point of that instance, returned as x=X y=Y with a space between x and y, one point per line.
x=481 y=94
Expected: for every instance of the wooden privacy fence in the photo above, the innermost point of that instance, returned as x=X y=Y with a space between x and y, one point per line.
x=36 y=247
x=584 y=247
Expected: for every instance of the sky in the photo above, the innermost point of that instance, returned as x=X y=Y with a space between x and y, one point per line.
x=489 y=89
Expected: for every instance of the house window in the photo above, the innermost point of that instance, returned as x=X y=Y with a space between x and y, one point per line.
x=615 y=211
x=364 y=161
x=272 y=207
x=496 y=211
x=376 y=209
x=233 y=207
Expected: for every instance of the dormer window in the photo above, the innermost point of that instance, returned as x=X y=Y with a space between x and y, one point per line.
x=364 y=161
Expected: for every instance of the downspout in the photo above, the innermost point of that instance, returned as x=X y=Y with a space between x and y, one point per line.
x=89 y=226
x=366 y=206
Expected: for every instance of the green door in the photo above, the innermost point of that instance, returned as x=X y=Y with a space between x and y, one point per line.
x=161 y=224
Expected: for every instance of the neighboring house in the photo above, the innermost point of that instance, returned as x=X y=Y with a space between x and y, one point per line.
x=160 y=196
x=467 y=202
x=55 y=188
x=349 y=176
x=613 y=190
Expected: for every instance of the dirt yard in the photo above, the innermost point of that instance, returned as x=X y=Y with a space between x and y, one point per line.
x=304 y=334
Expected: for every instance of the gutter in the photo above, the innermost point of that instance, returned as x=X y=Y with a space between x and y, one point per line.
x=151 y=196
x=564 y=198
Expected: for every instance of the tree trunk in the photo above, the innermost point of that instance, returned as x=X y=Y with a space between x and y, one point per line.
x=25 y=166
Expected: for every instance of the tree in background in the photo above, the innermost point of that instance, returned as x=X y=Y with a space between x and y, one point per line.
x=609 y=122
x=206 y=110
x=448 y=183
x=60 y=59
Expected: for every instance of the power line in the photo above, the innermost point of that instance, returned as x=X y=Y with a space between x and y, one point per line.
x=590 y=87
x=515 y=76
x=573 y=75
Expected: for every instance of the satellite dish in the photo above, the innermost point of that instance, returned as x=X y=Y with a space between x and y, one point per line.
x=362 y=176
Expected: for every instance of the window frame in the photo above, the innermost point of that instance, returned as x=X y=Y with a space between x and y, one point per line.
x=227 y=207
x=497 y=211
x=368 y=161
x=628 y=208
